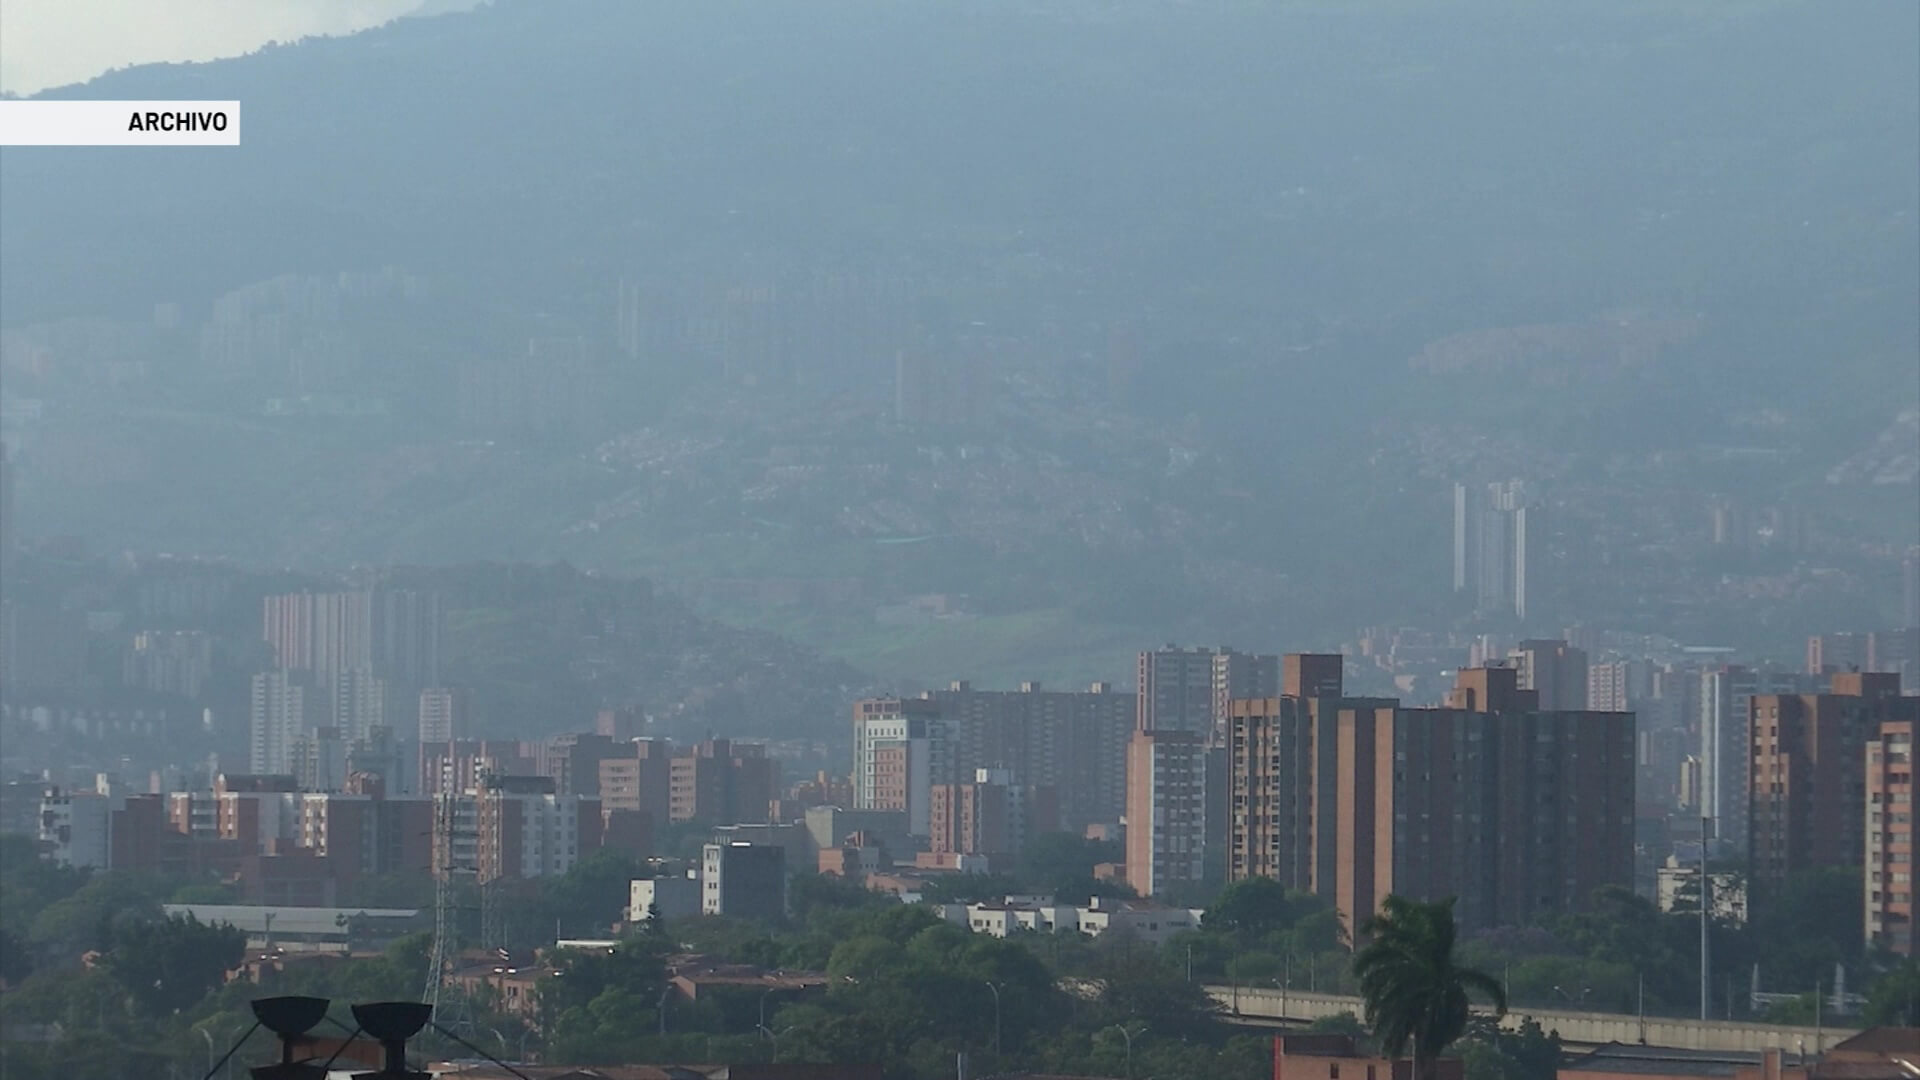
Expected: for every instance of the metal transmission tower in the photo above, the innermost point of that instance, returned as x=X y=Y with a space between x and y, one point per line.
x=493 y=920
x=443 y=832
x=450 y=868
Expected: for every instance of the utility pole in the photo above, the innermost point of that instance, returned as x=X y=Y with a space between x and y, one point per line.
x=1819 y=1016
x=1640 y=1006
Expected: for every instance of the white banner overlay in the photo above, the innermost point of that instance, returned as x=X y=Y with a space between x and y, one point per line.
x=119 y=123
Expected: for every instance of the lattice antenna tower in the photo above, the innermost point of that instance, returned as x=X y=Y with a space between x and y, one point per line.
x=448 y=869
x=443 y=832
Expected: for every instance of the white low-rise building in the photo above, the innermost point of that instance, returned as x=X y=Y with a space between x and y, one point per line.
x=671 y=897
x=1040 y=914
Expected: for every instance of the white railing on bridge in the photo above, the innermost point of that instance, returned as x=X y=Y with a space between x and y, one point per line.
x=1574 y=1027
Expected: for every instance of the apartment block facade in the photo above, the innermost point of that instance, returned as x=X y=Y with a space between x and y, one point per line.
x=986 y=816
x=1166 y=810
x=1515 y=810
x=1890 y=837
x=722 y=783
x=1811 y=773
x=1065 y=750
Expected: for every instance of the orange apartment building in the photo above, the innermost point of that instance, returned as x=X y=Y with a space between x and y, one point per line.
x=1515 y=810
x=1810 y=756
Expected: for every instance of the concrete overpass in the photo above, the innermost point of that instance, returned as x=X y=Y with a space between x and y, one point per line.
x=1266 y=1007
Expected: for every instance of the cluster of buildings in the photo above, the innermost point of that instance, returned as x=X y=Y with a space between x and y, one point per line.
x=282 y=845
x=1224 y=765
x=1541 y=777
x=342 y=809
x=1548 y=769
x=354 y=671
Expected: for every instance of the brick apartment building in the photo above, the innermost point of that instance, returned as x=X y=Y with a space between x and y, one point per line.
x=1516 y=810
x=722 y=783
x=523 y=828
x=984 y=817
x=640 y=779
x=1809 y=782
x=1166 y=809
x=1888 y=808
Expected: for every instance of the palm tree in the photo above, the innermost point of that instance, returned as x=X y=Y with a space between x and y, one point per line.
x=1414 y=990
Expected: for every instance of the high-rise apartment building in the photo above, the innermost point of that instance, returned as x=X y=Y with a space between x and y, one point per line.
x=1726 y=697
x=1516 y=810
x=320 y=759
x=639 y=779
x=1619 y=685
x=523 y=828
x=1175 y=690
x=986 y=816
x=1166 y=810
x=1191 y=690
x=1066 y=750
x=900 y=747
x=1889 y=857
x=1188 y=689
x=443 y=714
x=1896 y=651
x=261 y=812
x=458 y=767
x=1267 y=805
x=1830 y=653
x=392 y=633
x=283 y=705
x=1809 y=791
x=168 y=661
x=363 y=831
x=1492 y=549
x=358 y=702
x=1554 y=670
x=722 y=783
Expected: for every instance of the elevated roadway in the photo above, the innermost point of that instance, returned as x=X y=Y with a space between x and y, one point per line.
x=1269 y=1007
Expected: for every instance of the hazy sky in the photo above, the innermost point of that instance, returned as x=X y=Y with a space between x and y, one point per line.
x=54 y=42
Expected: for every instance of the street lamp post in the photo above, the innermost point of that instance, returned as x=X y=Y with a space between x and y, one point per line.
x=1128 y=1036
x=996 y=1023
x=205 y=1034
x=774 y=1037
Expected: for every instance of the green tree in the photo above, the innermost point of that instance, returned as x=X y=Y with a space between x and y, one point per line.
x=83 y=920
x=1804 y=925
x=165 y=964
x=1894 y=999
x=1490 y=1052
x=1261 y=910
x=1415 y=990
x=1341 y=1024
x=15 y=962
x=589 y=898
